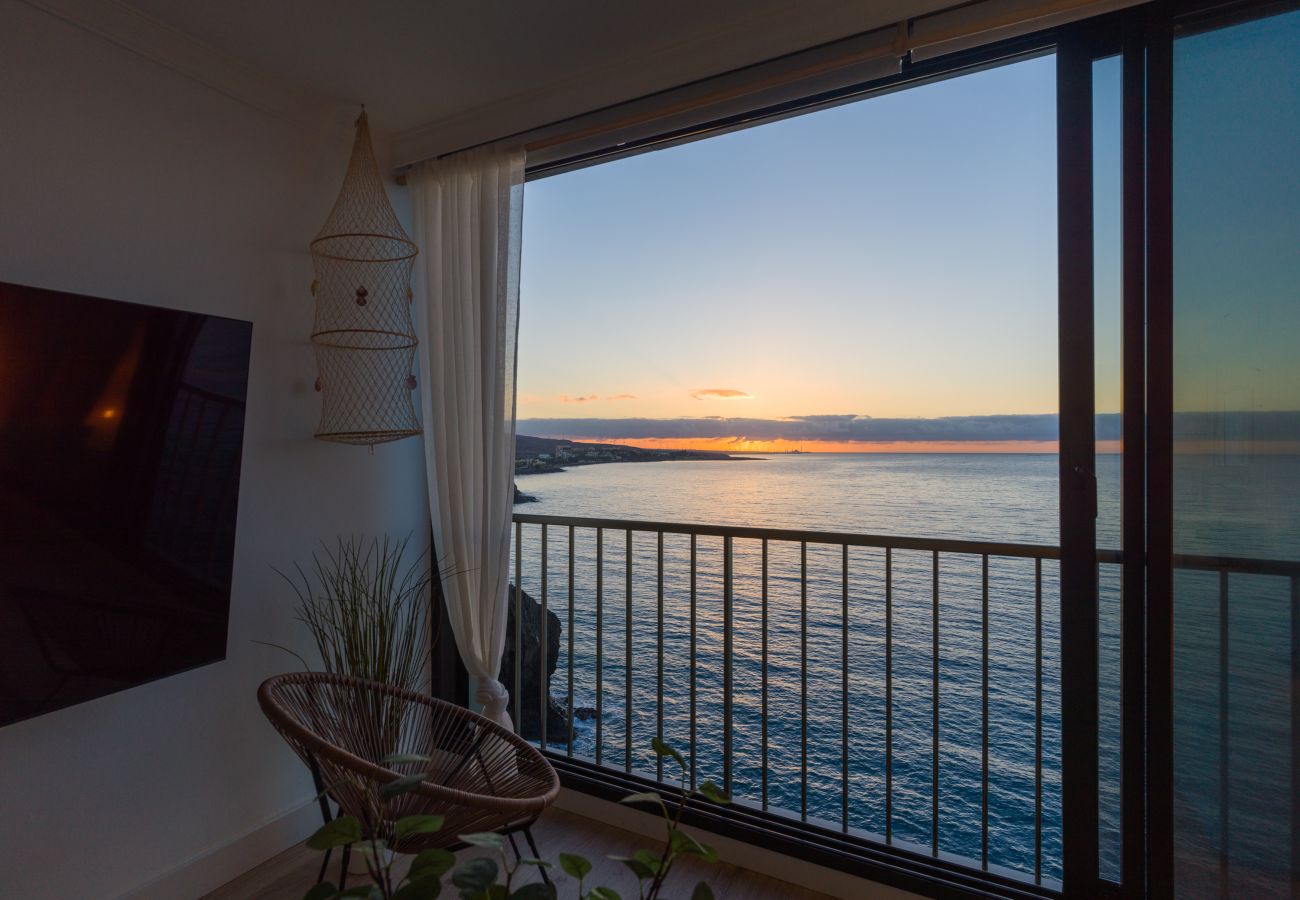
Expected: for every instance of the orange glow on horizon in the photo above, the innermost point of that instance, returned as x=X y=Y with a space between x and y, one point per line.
x=745 y=445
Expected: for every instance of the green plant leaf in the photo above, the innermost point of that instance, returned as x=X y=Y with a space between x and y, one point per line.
x=663 y=749
x=575 y=866
x=475 y=874
x=417 y=825
x=397 y=759
x=711 y=792
x=482 y=839
x=681 y=842
x=535 y=891
x=650 y=860
x=323 y=891
x=419 y=889
x=603 y=893
x=706 y=852
x=639 y=869
x=645 y=797
x=402 y=785
x=497 y=892
x=371 y=848
x=336 y=833
x=532 y=861
x=702 y=892
x=433 y=863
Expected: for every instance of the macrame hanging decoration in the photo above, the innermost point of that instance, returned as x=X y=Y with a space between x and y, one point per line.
x=363 y=336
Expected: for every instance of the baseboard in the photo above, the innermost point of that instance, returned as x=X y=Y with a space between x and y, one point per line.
x=775 y=865
x=212 y=868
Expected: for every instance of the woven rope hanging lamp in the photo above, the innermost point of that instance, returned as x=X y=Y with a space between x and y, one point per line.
x=363 y=336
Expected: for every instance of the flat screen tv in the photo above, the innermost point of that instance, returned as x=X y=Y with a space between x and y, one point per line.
x=121 y=431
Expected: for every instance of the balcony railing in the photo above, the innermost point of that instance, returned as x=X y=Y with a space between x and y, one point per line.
x=901 y=691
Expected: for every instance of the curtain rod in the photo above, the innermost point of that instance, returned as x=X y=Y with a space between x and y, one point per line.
x=903 y=42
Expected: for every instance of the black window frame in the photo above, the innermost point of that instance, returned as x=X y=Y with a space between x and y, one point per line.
x=1142 y=36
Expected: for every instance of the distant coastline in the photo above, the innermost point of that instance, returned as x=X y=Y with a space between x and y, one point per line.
x=537 y=456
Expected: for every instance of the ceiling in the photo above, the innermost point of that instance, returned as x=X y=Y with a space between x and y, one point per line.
x=463 y=72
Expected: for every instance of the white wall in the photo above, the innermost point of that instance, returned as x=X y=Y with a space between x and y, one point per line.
x=122 y=179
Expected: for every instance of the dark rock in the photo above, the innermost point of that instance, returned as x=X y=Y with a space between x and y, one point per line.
x=529 y=725
x=522 y=497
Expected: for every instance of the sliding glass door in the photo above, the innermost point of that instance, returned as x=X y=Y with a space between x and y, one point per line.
x=1180 y=379
x=1236 y=456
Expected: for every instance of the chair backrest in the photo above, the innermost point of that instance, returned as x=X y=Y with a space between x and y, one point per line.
x=348 y=726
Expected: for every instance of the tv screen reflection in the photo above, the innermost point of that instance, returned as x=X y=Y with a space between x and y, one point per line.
x=121 y=431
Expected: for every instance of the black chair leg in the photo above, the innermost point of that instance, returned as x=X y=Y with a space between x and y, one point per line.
x=532 y=845
x=518 y=856
x=343 y=866
x=324 y=813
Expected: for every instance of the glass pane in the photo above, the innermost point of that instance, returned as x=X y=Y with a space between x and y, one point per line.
x=1236 y=454
x=1107 y=185
x=864 y=297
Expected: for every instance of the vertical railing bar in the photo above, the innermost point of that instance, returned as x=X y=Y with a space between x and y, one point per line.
x=692 y=661
x=763 y=710
x=984 y=761
x=659 y=676
x=516 y=699
x=1038 y=721
x=569 y=735
x=803 y=680
x=543 y=688
x=844 y=688
x=627 y=653
x=934 y=703
x=1295 y=735
x=727 y=685
x=889 y=695
x=600 y=641
x=1224 y=822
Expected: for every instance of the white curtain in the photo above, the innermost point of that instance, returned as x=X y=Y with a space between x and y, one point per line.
x=468 y=212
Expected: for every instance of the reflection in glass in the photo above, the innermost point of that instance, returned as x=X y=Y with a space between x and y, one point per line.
x=1236 y=453
x=121 y=429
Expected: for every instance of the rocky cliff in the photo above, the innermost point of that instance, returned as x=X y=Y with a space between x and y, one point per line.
x=529 y=726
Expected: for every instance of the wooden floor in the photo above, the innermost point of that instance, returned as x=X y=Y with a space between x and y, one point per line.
x=289 y=875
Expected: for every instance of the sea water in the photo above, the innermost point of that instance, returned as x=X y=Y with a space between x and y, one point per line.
x=965 y=497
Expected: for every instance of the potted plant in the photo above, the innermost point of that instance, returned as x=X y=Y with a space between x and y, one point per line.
x=368 y=610
x=366 y=604
x=488 y=878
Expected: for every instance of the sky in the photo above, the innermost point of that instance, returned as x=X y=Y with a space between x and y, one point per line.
x=887 y=261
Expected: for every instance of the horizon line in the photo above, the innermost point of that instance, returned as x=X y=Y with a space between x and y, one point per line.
x=1104 y=447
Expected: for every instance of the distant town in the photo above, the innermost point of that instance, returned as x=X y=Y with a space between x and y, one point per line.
x=534 y=455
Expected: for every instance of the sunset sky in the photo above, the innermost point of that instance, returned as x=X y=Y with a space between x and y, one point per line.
x=889 y=259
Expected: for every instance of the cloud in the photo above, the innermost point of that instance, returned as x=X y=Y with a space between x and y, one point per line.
x=565 y=398
x=806 y=428
x=622 y=397
x=721 y=394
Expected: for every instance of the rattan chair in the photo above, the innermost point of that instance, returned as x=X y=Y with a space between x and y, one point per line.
x=480 y=776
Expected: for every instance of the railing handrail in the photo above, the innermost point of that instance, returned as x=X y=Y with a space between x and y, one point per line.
x=796 y=535
x=1224 y=567
x=1242 y=564
x=1245 y=565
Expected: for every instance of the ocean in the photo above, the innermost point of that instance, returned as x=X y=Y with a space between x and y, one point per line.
x=987 y=497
